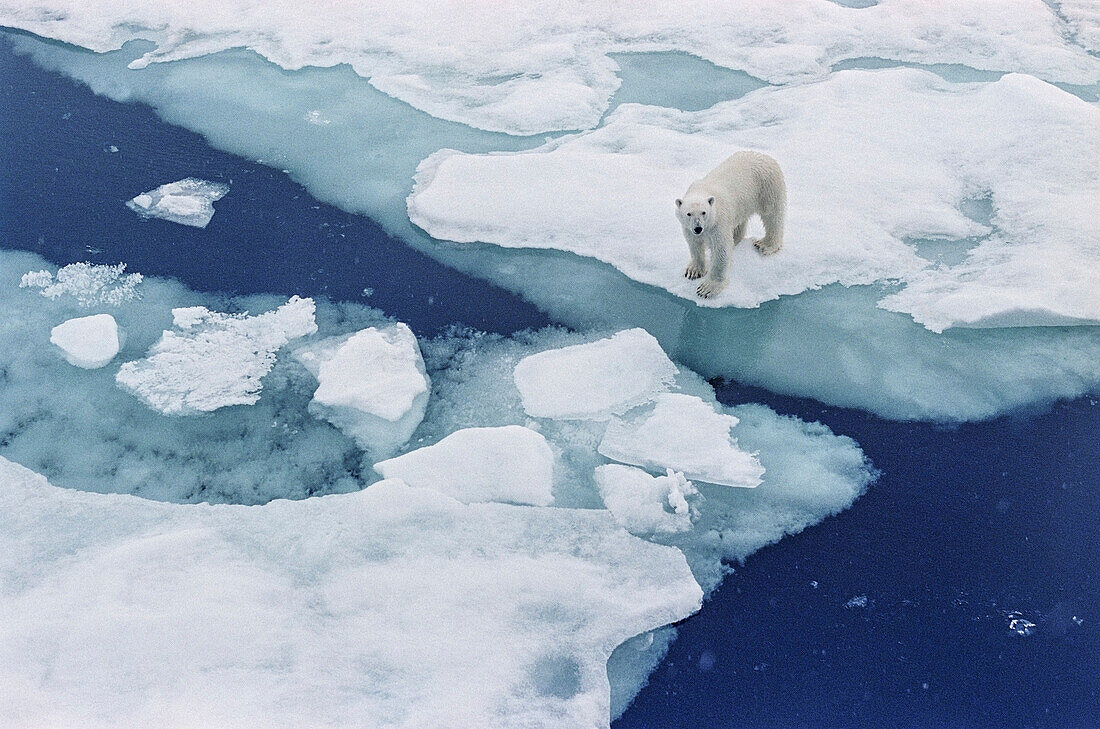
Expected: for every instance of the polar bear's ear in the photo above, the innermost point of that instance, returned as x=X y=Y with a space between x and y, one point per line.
x=679 y=202
x=710 y=201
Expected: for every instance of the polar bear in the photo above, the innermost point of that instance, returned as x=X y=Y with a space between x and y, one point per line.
x=715 y=210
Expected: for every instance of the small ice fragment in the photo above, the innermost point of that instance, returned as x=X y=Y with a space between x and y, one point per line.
x=859 y=601
x=511 y=464
x=217 y=360
x=646 y=504
x=1019 y=625
x=594 y=381
x=686 y=434
x=88 y=341
x=372 y=385
x=189 y=201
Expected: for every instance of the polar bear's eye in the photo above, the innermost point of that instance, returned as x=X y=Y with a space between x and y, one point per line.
x=704 y=213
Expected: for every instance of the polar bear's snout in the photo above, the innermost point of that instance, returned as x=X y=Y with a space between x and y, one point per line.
x=697 y=230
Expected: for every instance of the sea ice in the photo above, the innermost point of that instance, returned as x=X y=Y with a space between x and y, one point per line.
x=895 y=159
x=527 y=68
x=89 y=284
x=188 y=202
x=372 y=385
x=646 y=504
x=88 y=341
x=217 y=360
x=510 y=464
x=684 y=433
x=395 y=606
x=596 y=380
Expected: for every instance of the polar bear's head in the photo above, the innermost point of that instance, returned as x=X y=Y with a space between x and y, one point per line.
x=696 y=213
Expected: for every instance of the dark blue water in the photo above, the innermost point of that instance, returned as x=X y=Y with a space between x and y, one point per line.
x=894 y=614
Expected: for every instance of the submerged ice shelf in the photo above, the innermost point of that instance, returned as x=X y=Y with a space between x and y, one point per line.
x=476 y=445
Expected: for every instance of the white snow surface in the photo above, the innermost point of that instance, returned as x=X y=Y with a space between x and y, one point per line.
x=533 y=67
x=894 y=158
x=216 y=360
x=684 y=433
x=390 y=607
x=87 y=283
x=189 y=201
x=89 y=342
x=510 y=464
x=595 y=380
x=646 y=504
x=372 y=385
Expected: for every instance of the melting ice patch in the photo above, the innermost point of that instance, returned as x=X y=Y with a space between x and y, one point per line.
x=509 y=464
x=89 y=284
x=684 y=433
x=894 y=159
x=216 y=360
x=594 y=380
x=526 y=68
x=188 y=202
x=394 y=605
x=372 y=385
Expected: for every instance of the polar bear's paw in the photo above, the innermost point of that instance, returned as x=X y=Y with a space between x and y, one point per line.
x=710 y=287
x=767 y=246
x=694 y=271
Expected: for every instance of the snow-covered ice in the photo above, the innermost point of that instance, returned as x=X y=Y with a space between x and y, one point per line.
x=89 y=342
x=684 y=433
x=895 y=159
x=189 y=201
x=87 y=283
x=510 y=464
x=533 y=67
x=395 y=605
x=646 y=504
x=595 y=380
x=372 y=385
x=216 y=360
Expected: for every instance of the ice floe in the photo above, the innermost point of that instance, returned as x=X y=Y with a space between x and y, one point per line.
x=87 y=283
x=526 y=68
x=595 y=380
x=896 y=157
x=646 y=504
x=509 y=463
x=216 y=359
x=188 y=202
x=372 y=385
x=395 y=605
x=89 y=342
x=683 y=433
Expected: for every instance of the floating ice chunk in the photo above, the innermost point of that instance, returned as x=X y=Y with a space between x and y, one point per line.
x=894 y=160
x=686 y=434
x=646 y=504
x=373 y=386
x=596 y=380
x=393 y=603
x=217 y=360
x=510 y=464
x=531 y=67
x=88 y=341
x=89 y=284
x=189 y=201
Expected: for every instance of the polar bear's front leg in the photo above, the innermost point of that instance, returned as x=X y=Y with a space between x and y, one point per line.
x=698 y=264
x=720 y=247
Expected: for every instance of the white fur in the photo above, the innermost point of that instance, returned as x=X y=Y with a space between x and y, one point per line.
x=719 y=207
